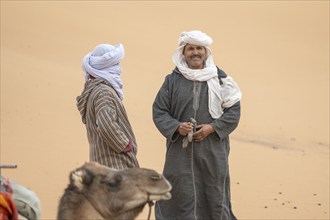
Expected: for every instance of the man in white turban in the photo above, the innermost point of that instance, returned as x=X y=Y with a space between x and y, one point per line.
x=109 y=132
x=196 y=109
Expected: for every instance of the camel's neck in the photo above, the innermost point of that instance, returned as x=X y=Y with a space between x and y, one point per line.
x=130 y=214
x=76 y=207
x=90 y=212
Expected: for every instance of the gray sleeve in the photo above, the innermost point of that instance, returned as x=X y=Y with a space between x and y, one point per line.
x=161 y=112
x=228 y=121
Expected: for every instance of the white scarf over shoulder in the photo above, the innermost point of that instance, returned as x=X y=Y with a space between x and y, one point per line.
x=103 y=62
x=220 y=96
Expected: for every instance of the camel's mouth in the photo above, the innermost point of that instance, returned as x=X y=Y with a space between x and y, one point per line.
x=151 y=197
x=162 y=196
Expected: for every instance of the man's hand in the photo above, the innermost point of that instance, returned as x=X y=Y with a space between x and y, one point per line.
x=203 y=131
x=184 y=128
x=128 y=148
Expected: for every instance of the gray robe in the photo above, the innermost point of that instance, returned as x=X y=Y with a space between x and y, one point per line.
x=199 y=174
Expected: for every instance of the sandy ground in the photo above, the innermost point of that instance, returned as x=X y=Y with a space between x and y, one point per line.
x=277 y=51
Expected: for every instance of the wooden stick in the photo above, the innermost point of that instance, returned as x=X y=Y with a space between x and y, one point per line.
x=10 y=166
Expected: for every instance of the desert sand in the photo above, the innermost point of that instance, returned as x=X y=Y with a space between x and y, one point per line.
x=277 y=51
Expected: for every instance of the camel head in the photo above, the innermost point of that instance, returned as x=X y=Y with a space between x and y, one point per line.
x=116 y=193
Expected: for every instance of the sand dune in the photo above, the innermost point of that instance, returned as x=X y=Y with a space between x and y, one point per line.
x=277 y=51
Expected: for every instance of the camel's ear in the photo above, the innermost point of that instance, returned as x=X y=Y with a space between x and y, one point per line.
x=81 y=177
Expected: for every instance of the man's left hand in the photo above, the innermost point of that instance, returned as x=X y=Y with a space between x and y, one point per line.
x=203 y=131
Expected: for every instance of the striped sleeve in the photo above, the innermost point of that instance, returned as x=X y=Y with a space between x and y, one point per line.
x=107 y=123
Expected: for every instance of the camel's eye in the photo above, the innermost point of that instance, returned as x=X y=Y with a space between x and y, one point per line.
x=114 y=181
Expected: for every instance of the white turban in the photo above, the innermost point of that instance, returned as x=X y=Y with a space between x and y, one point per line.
x=103 y=62
x=195 y=38
x=220 y=97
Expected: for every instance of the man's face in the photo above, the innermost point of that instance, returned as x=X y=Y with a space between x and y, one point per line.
x=195 y=56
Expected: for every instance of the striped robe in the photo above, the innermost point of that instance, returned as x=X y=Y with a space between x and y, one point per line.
x=107 y=125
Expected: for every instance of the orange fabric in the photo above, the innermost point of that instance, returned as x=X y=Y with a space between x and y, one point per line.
x=8 y=210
